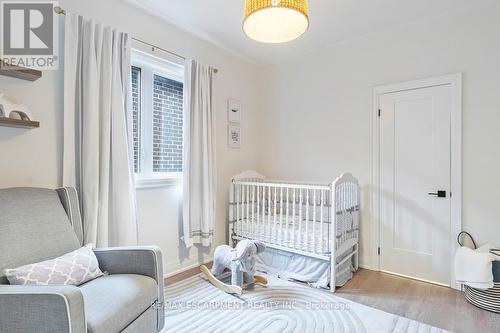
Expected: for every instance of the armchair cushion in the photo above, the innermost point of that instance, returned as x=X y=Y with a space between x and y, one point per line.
x=72 y=268
x=141 y=260
x=112 y=302
x=33 y=227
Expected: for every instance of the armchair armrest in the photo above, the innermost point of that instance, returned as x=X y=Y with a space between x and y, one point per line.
x=42 y=309
x=142 y=260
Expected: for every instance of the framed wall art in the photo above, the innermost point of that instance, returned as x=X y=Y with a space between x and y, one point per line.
x=234 y=136
x=233 y=111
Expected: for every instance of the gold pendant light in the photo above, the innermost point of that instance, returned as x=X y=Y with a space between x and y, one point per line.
x=275 y=21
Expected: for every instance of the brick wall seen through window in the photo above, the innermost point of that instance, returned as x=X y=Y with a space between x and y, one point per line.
x=167 y=124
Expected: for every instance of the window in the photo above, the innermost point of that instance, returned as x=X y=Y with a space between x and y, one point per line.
x=157 y=116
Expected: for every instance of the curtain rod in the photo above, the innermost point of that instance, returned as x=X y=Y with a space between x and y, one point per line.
x=61 y=11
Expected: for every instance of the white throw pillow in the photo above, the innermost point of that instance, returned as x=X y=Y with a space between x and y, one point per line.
x=72 y=268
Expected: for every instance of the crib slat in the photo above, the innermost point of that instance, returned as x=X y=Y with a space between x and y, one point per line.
x=237 y=226
x=340 y=225
x=322 y=197
x=300 y=220
x=344 y=212
x=242 y=206
x=331 y=218
x=314 y=239
x=287 y=233
x=257 y=233
x=294 y=217
x=253 y=211
x=339 y=217
x=281 y=216
x=274 y=215
x=263 y=224
x=247 y=211
x=243 y=210
x=268 y=227
x=348 y=207
x=249 y=225
x=308 y=205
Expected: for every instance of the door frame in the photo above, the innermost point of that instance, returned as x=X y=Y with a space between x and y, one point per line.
x=455 y=81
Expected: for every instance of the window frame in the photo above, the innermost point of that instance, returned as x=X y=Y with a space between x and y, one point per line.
x=150 y=66
x=139 y=120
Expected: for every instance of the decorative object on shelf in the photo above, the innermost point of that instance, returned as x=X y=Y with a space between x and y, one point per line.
x=15 y=115
x=13 y=110
x=275 y=21
x=233 y=111
x=234 y=136
x=19 y=72
x=19 y=115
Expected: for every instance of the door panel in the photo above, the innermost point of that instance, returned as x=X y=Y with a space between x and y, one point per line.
x=415 y=160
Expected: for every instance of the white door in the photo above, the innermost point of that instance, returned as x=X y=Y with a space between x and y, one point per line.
x=415 y=183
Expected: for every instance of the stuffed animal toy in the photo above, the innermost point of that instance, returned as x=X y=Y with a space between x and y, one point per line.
x=240 y=261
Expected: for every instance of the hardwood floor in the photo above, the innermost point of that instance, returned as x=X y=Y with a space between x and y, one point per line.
x=428 y=303
x=185 y=274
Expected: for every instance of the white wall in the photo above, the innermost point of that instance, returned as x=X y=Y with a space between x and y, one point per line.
x=33 y=157
x=315 y=110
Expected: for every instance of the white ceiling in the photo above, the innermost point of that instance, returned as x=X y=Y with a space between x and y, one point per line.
x=219 y=22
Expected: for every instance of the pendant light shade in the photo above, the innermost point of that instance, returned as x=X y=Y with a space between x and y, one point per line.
x=275 y=21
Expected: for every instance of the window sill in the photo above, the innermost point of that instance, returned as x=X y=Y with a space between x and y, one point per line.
x=141 y=183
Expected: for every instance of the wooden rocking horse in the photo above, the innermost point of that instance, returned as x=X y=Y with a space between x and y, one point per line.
x=240 y=261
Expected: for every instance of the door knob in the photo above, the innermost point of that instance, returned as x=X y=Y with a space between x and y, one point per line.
x=439 y=194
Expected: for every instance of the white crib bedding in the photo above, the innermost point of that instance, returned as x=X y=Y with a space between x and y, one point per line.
x=292 y=266
x=306 y=236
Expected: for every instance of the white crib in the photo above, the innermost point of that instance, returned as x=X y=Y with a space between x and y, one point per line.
x=314 y=220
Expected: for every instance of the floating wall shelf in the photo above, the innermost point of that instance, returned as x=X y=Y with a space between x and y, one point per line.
x=9 y=122
x=19 y=72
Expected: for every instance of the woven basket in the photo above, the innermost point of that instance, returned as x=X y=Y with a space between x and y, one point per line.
x=488 y=299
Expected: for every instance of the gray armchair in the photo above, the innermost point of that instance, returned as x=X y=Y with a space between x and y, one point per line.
x=38 y=224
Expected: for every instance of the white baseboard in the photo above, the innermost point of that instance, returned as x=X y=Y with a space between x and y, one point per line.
x=176 y=268
x=367 y=267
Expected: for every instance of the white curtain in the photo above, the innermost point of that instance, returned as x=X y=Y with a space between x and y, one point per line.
x=199 y=155
x=96 y=135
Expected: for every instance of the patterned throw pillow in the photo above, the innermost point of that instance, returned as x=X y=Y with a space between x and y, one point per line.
x=72 y=268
